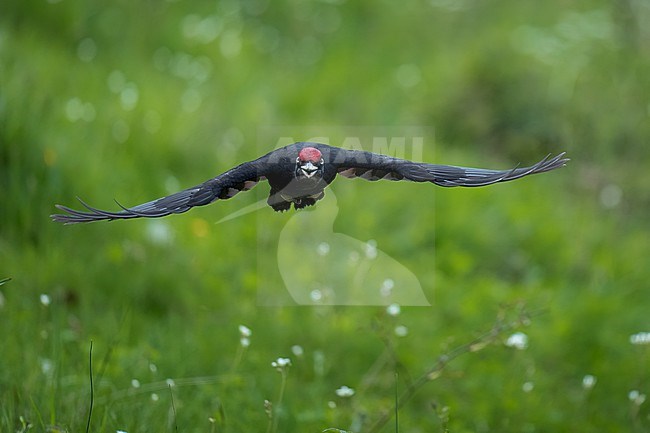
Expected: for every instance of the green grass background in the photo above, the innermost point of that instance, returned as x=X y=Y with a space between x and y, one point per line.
x=133 y=100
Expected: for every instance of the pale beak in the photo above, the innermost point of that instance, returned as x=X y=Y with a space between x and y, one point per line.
x=308 y=169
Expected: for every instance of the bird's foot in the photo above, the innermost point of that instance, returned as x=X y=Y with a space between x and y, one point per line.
x=304 y=202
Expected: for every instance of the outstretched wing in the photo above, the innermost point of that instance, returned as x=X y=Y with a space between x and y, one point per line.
x=372 y=166
x=222 y=187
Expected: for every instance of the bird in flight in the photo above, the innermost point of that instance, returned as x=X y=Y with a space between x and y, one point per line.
x=299 y=173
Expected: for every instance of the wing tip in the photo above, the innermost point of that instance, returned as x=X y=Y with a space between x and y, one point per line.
x=558 y=161
x=73 y=216
x=489 y=177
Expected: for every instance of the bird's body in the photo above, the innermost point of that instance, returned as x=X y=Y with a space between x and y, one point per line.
x=299 y=173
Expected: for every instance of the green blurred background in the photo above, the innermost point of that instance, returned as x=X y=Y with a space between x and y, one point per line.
x=134 y=100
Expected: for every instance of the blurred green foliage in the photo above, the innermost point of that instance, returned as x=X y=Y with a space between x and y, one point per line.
x=134 y=100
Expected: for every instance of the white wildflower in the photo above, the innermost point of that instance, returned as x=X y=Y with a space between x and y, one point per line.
x=393 y=310
x=47 y=366
x=244 y=335
x=371 y=249
x=316 y=295
x=588 y=381
x=135 y=383
x=640 y=338
x=281 y=364
x=297 y=350
x=345 y=391
x=636 y=397
x=245 y=331
x=518 y=340
x=401 y=331
x=45 y=299
x=386 y=288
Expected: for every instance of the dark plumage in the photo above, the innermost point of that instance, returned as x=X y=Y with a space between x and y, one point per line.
x=298 y=174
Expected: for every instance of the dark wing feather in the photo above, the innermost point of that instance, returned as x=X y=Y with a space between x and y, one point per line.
x=372 y=166
x=224 y=186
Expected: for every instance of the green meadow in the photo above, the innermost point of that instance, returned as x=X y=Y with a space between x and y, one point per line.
x=538 y=290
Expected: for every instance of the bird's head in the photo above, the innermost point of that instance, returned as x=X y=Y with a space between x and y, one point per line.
x=309 y=163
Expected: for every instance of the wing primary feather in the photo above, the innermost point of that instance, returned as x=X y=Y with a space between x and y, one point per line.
x=450 y=176
x=246 y=175
x=374 y=166
x=134 y=212
x=102 y=213
x=75 y=215
x=94 y=214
